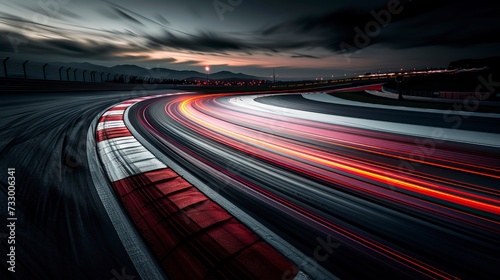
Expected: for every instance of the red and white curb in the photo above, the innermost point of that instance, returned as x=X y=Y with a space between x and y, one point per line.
x=191 y=236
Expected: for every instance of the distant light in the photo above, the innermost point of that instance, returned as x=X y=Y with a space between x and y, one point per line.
x=207 y=68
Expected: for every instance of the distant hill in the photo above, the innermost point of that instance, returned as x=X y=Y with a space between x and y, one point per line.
x=126 y=69
x=223 y=75
x=163 y=73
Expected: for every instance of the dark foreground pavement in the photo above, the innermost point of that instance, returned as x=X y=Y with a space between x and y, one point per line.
x=62 y=229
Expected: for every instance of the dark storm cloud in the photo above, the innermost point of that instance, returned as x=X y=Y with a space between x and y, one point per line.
x=19 y=43
x=294 y=32
x=134 y=17
x=206 y=41
x=212 y=42
x=50 y=11
x=161 y=19
x=126 y=16
x=22 y=25
x=304 y=56
x=5 y=43
x=420 y=23
x=459 y=24
x=91 y=49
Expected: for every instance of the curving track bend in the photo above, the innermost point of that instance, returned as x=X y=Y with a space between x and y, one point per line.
x=62 y=228
x=362 y=192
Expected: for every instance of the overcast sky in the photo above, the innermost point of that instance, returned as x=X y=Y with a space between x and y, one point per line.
x=314 y=38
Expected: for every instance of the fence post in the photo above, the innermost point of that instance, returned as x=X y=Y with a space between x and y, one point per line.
x=60 y=75
x=24 y=69
x=84 y=75
x=74 y=74
x=43 y=68
x=67 y=73
x=5 y=66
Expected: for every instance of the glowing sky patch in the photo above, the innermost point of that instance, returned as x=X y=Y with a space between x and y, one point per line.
x=301 y=38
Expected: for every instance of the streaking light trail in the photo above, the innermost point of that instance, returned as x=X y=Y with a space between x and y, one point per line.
x=321 y=179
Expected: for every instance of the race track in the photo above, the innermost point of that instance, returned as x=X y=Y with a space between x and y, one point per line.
x=358 y=191
x=391 y=193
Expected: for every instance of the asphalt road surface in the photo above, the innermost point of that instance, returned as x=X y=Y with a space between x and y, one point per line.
x=362 y=203
x=62 y=229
